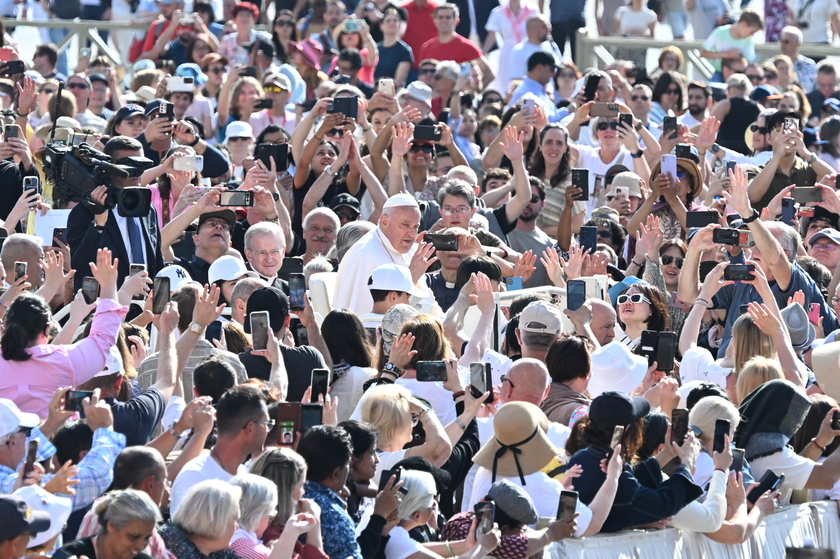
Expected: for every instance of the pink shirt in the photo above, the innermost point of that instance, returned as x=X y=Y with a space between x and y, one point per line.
x=30 y=384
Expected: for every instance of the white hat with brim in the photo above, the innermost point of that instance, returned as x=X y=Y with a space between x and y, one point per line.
x=229 y=268
x=390 y=277
x=57 y=507
x=43 y=131
x=11 y=418
x=615 y=367
x=178 y=277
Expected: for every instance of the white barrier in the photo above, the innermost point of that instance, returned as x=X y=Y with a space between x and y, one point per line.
x=790 y=526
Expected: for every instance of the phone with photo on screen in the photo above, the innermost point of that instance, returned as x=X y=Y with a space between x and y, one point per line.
x=485 y=511
x=259 y=330
x=297 y=291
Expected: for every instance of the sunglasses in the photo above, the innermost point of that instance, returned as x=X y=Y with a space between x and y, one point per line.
x=567 y=75
x=421 y=147
x=754 y=78
x=756 y=128
x=672 y=91
x=493 y=100
x=634 y=298
x=27 y=431
x=535 y=198
x=284 y=23
x=604 y=234
x=77 y=85
x=680 y=174
x=427 y=71
x=239 y=139
x=605 y=125
x=273 y=89
x=668 y=259
x=639 y=97
x=349 y=216
x=337 y=132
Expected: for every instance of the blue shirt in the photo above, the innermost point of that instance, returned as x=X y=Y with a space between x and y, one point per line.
x=338 y=532
x=538 y=90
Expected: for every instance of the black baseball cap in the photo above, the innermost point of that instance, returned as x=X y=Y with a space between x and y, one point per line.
x=272 y=300
x=18 y=518
x=261 y=44
x=154 y=106
x=345 y=199
x=98 y=78
x=611 y=409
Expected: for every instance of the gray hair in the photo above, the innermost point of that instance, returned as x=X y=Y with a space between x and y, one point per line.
x=317 y=265
x=457 y=187
x=259 y=499
x=791 y=30
x=17 y=247
x=121 y=507
x=349 y=234
x=421 y=493
x=264 y=228
x=459 y=171
x=450 y=67
x=536 y=340
x=321 y=211
x=208 y=508
x=285 y=468
x=787 y=236
x=244 y=288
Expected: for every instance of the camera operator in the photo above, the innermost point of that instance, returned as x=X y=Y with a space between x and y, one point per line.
x=160 y=130
x=134 y=240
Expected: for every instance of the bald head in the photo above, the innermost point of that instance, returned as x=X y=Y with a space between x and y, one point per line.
x=528 y=382
x=537 y=28
x=603 y=321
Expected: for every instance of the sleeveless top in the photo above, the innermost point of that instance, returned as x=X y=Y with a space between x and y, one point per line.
x=742 y=113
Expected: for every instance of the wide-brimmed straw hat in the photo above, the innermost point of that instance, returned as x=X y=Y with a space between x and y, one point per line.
x=689 y=167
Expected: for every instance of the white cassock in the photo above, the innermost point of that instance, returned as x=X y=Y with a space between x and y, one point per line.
x=369 y=252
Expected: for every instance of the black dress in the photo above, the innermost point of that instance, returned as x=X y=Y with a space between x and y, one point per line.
x=84 y=547
x=742 y=113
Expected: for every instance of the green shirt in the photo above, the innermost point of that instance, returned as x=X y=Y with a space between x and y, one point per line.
x=721 y=40
x=801 y=174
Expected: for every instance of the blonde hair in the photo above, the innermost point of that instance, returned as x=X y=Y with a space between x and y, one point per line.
x=749 y=342
x=386 y=408
x=218 y=503
x=285 y=468
x=754 y=373
x=259 y=499
x=708 y=410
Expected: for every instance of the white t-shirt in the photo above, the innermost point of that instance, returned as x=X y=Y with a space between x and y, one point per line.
x=797 y=469
x=823 y=494
x=590 y=158
x=433 y=392
x=688 y=119
x=634 y=23
x=544 y=491
x=400 y=545
x=197 y=470
x=818 y=15
x=387 y=461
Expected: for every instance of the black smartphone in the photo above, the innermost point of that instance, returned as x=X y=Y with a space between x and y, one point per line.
x=73 y=399
x=609 y=110
x=835 y=421
x=259 y=330
x=721 y=429
x=297 y=291
x=236 y=198
x=442 y=242
x=567 y=505
x=386 y=475
x=161 y=294
x=20 y=270
x=666 y=350
x=31 y=457
x=669 y=127
x=743 y=309
x=706 y=267
x=805 y=194
x=626 y=118
x=739 y=272
x=280 y=153
x=575 y=294
x=701 y=219
x=683 y=151
x=485 y=511
x=90 y=289
x=789 y=211
x=769 y=482
x=618 y=432
x=265 y=104
x=588 y=238
x=249 y=72
x=431 y=371
x=679 y=425
x=580 y=179
x=737 y=460
x=427 y=133
x=348 y=106
x=12 y=67
x=809 y=553
x=320 y=383
x=308 y=105
x=59 y=234
x=591 y=87
x=310 y=416
x=481 y=381
x=288 y=418
x=213 y=331
x=647 y=345
x=733 y=237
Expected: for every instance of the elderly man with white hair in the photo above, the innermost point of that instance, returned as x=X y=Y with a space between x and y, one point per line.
x=393 y=241
x=320 y=228
x=792 y=38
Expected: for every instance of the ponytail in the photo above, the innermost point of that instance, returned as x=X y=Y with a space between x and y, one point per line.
x=27 y=317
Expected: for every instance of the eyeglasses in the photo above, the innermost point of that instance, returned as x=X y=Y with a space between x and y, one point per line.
x=284 y=23
x=349 y=216
x=427 y=71
x=604 y=125
x=273 y=89
x=268 y=424
x=835 y=300
x=634 y=298
x=238 y=139
x=440 y=77
x=535 y=198
x=506 y=379
x=680 y=174
x=754 y=78
x=264 y=253
x=459 y=210
x=756 y=128
x=427 y=148
x=672 y=91
x=27 y=431
x=824 y=246
x=668 y=259
x=639 y=97
x=218 y=223
x=77 y=85
x=335 y=132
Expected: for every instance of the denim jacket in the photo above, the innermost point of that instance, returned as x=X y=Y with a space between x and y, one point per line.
x=642 y=497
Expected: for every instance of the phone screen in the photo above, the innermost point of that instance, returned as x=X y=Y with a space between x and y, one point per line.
x=214 y=331
x=310 y=416
x=431 y=371
x=568 y=504
x=477 y=380
x=297 y=291
x=484 y=513
x=320 y=382
x=618 y=431
x=20 y=270
x=576 y=294
x=679 y=425
x=31 y=456
x=90 y=289
x=288 y=415
x=73 y=399
x=721 y=429
x=737 y=460
x=161 y=295
x=666 y=348
x=385 y=477
x=259 y=330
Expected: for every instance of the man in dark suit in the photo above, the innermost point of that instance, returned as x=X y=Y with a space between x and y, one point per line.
x=134 y=240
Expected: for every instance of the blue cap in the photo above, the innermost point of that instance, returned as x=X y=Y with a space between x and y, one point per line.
x=191 y=70
x=832 y=103
x=811 y=137
x=127 y=111
x=621 y=286
x=762 y=92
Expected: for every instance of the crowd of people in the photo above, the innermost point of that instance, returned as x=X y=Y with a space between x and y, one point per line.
x=349 y=289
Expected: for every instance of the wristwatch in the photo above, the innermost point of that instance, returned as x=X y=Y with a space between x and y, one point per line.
x=715 y=148
x=196 y=327
x=393 y=369
x=638 y=154
x=751 y=218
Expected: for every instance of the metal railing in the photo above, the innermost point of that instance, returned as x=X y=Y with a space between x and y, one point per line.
x=595 y=51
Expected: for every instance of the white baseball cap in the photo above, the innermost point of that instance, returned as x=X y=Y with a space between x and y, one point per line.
x=59 y=509
x=11 y=418
x=390 y=277
x=419 y=91
x=113 y=363
x=178 y=276
x=238 y=129
x=228 y=268
x=400 y=200
x=541 y=317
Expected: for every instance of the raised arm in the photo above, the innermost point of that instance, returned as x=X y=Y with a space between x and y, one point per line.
x=322 y=183
x=513 y=149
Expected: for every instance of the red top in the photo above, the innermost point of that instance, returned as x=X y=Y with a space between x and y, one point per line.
x=458 y=49
x=420 y=27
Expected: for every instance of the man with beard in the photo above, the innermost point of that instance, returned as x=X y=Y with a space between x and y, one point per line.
x=537 y=38
x=698 y=104
x=527 y=236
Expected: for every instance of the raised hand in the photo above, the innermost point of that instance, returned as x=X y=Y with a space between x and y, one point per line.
x=525 y=265
x=401 y=352
x=105 y=272
x=483 y=296
x=422 y=259
x=512 y=145
x=402 y=139
x=551 y=261
x=207 y=308
x=574 y=266
x=737 y=196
